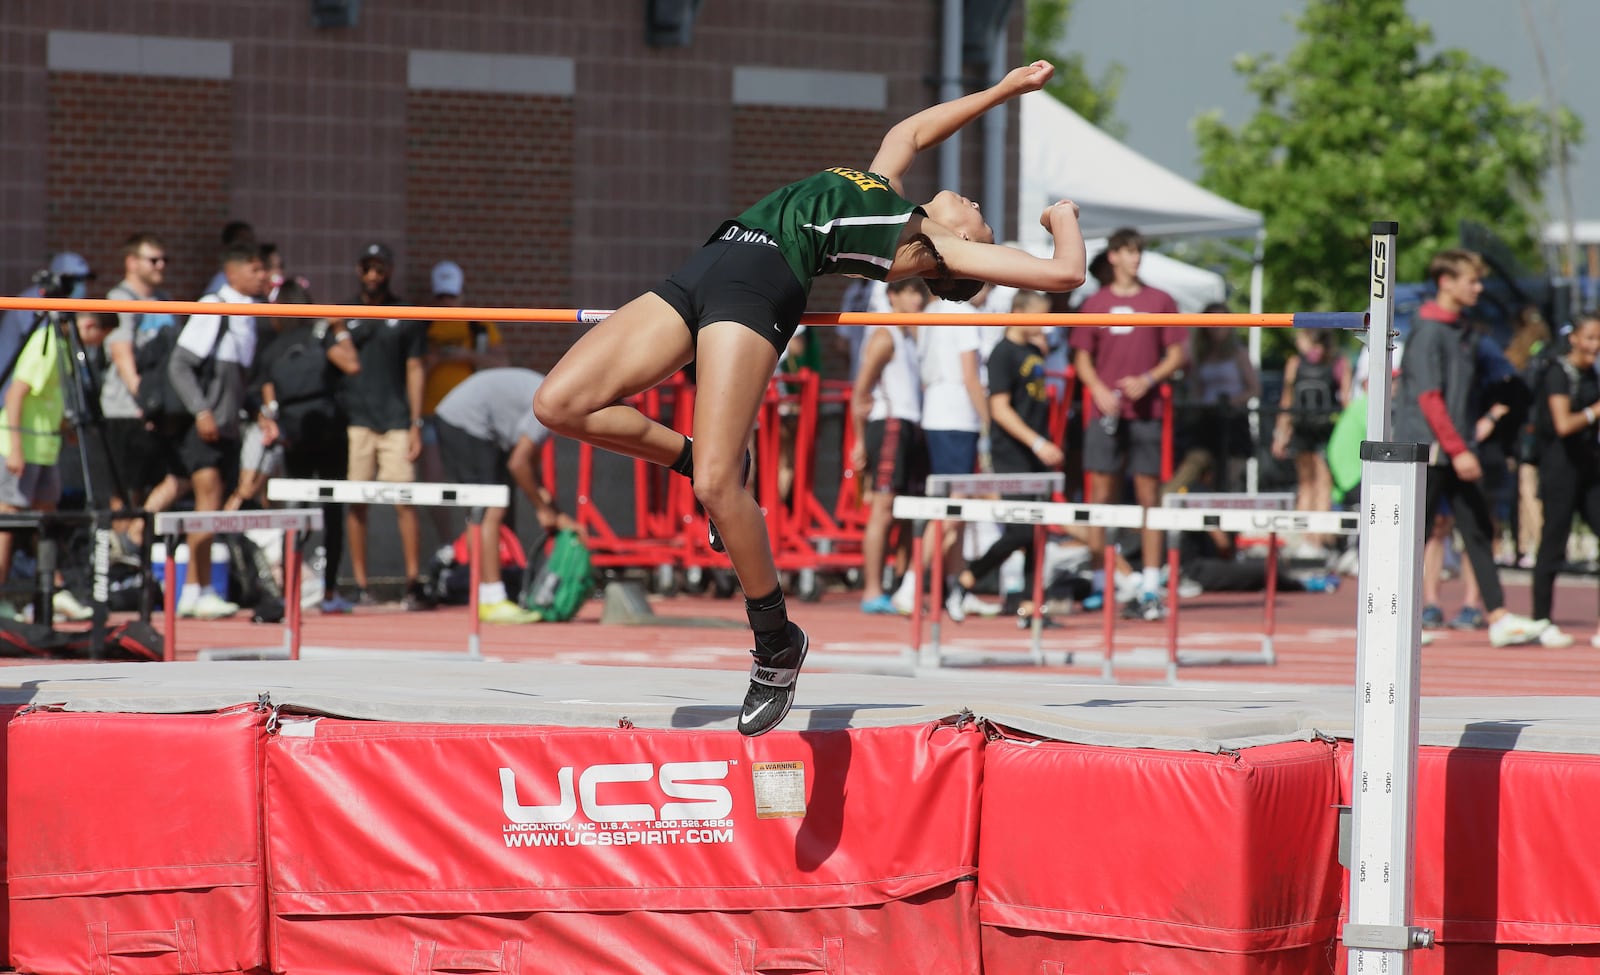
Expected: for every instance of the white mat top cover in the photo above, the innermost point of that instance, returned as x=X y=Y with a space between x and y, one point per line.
x=1193 y=717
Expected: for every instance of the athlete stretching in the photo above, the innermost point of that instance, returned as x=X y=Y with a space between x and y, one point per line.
x=733 y=307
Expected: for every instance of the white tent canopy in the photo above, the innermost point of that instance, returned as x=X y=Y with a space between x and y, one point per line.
x=1065 y=157
x=1193 y=288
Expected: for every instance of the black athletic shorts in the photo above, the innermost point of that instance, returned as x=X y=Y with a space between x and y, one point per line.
x=195 y=454
x=897 y=457
x=468 y=459
x=729 y=281
x=1135 y=448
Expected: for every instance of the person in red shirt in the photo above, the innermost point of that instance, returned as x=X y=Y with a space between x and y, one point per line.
x=1122 y=367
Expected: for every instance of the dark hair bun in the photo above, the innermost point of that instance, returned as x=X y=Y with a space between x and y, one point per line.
x=955 y=289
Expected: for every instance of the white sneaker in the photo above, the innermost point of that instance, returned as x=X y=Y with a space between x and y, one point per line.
x=955 y=602
x=67 y=607
x=1188 y=589
x=1512 y=630
x=978 y=606
x=207 y=606
x=1553 y=638
x=1128 y=587
x=905 y=595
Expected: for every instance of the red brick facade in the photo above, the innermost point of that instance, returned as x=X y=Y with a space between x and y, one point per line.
x=489 y=186
x=138 y=152
x=323 y=141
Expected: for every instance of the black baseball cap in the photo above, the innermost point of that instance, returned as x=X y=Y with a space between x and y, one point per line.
x=377 y=252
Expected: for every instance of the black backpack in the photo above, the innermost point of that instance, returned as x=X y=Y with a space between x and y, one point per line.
x=1538 y=429
x=157 y=399
x=301 y=380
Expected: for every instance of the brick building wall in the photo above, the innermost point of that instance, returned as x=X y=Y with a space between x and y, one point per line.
x=166 y=143
x=463 y=151
x=436 y=129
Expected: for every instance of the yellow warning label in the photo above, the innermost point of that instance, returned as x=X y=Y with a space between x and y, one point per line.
x=780 y=789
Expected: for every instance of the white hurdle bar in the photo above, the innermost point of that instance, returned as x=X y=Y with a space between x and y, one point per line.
x=474 y=497
x=1046 y=483
x=1042 y=515
x=291 y=521
x=1273 y=521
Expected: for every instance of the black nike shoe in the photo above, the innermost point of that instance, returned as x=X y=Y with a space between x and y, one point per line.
x=772 y=684
x=714 y=537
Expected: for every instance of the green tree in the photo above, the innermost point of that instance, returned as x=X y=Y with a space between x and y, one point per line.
x=1359 y=124
x=1044 y=38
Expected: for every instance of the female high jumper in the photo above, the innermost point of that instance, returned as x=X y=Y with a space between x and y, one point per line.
x=732 y=309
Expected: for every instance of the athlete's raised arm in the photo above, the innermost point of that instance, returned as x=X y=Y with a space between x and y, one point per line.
x=975 y=260
x=932 y=126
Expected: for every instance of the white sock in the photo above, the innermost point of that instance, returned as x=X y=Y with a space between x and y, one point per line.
x=490 y=593
x=1099 y=580
x=190 y=592
x=1151 y=579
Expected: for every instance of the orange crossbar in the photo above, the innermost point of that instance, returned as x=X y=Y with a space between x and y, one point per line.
x=574 y=316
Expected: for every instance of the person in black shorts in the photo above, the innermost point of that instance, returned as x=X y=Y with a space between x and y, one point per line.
x=732 y=309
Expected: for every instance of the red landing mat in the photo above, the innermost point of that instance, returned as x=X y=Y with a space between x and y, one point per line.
x=136 y=843
x=1133 y=860
x=433 y=848
x=7 y=712
x=1507 y=861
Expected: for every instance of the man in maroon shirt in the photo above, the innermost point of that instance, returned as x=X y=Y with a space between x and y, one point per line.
x=1123 y=367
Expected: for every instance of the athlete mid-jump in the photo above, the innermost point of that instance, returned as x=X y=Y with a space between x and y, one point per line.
x=733 y=307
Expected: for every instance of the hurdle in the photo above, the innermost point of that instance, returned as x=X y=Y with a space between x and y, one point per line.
x=473 y=497
x=1196 y=513
x=1041 y=515
x=1047 y=483
x=291 y=521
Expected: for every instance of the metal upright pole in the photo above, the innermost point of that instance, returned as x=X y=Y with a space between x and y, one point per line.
x=1380 y=936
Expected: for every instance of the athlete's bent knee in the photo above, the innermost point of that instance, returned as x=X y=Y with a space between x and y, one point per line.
x=716 y=492
x=558 y=414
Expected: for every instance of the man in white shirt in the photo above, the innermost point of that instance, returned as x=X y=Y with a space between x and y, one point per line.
x=208 y=372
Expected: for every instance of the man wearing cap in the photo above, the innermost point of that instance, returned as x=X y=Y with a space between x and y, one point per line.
x=456 y=350
x=384 y=404
x=33 y=407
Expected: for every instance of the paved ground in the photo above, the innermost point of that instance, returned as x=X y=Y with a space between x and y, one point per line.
x=1316 y=642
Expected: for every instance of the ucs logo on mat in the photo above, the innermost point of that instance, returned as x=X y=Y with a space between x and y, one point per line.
x=685 y=805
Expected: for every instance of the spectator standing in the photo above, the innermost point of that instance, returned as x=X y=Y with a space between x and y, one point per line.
x=1222 y=382
x=32 y=406
x=208 y=372
x=1529 y=339
x=384 y=403
x=1437 y=403
x=1569 y=464
x=1316 y=388
x=1019 y=411
x=146 y=463
x=486 y=430
x=300 y=373
x=955 y=414
x=456 y=350
x=1123 y=368
x=889 y=451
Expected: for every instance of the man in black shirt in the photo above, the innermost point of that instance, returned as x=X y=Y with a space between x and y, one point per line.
x=1019 y=417
x=384 y=403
